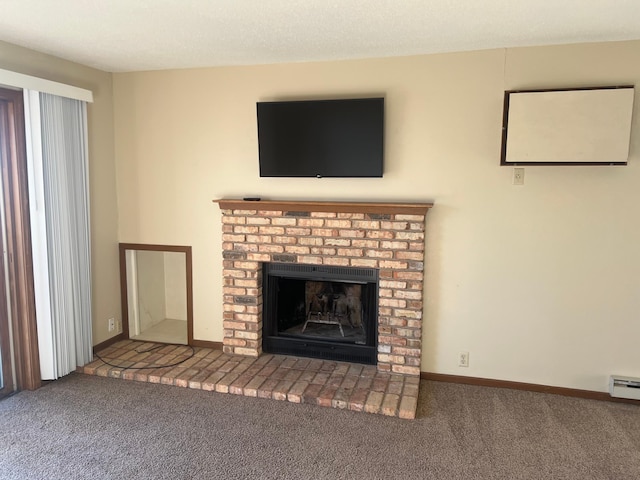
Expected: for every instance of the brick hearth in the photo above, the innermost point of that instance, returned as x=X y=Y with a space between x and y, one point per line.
x=341 y=385
x=385 y=236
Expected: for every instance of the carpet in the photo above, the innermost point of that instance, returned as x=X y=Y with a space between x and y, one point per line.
x=87 y=427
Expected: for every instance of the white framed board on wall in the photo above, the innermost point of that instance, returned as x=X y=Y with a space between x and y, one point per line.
x=581 y=126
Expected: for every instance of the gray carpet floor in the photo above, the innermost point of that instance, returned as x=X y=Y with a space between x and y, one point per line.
x=87 y=427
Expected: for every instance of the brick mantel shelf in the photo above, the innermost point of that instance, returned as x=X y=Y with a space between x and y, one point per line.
x=387 y=236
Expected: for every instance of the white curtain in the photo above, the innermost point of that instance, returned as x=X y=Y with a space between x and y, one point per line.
x=59 y=191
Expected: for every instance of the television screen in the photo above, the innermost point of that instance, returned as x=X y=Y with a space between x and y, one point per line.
x=321 y=138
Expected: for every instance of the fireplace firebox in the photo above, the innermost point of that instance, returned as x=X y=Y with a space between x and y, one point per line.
x=320 y=311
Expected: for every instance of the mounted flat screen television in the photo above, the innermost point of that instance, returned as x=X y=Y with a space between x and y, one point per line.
x=321 y=138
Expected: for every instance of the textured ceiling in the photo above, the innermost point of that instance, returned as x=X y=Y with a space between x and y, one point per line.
x=133 y=35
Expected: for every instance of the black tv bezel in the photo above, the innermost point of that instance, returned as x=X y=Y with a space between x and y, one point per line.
x=379 y=164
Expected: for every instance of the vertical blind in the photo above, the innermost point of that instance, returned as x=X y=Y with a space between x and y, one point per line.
x=63 y=131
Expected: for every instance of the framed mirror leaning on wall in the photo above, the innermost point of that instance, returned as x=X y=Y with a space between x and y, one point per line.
x=157 y=293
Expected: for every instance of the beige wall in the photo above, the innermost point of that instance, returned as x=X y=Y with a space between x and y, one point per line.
x=104 y=214
x=540 y=283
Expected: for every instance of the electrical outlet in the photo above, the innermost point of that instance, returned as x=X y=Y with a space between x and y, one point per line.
x=518 y=176
x=118 y=325
x=112 y=324
x=463 y=359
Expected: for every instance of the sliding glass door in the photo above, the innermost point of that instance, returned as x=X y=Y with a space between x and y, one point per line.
x=6 y=378
x=6 y=369
x=15 y=290
x=6 y=374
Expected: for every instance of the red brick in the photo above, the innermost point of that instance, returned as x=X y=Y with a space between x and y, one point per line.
x=324 y=232
x=285 y=240
x=325 y=397
x=394 y=225
x=245 y=229
x=254 y=352
x=237 y=386
x=387 y=254
x=338 y=242
x=379 y=234
x=409 y=255
x=339 y=223
x=242 y=247
x=233 y=220
x=406 y=275
x=407 y=313
x=247 y=335
x=246 y=317
x=270 y=248
x=360 y=243
x=298 y=249
x=367 y=224
x=392 y=284
x=351 y=233
x=226 y=237
x=244 y=212
x=374 y=402
x=388 y=302
x=234 y=291
x=312 y=222
x=336 y=261
x=299 y=231
x=410 y=235
x=364 y=262
x=251 y=388
x=386 y=358
x=416 y=246
x=222 y=386
x=259 y=238
x=265 y=390
x=258 y=221
x=350 y=252
x=390 y=404
x=311 y=393
x=297 y=390
x=271 y=230
x=311 y=259
x=408 y=294
x=234 y=273
x=312 y=241
x=407 y=370
x=408 y=217
x=284 y=221
x=269 y=213
x=408 y=407
x=357 y=399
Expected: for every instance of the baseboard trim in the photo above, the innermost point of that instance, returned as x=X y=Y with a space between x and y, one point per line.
x=206 y=344
x=529 y=387
x=121 y=336
x=108 y=343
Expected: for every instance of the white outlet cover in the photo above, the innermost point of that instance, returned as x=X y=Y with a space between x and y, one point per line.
x=518 y=176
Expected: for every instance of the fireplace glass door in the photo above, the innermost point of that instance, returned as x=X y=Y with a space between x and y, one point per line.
x=319 y=311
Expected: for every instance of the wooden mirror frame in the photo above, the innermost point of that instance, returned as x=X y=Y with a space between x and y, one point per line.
x=123 y=284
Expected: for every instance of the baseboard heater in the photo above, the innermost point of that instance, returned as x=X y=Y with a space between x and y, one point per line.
x=624 y=387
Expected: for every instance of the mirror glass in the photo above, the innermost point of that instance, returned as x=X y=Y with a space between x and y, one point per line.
x=157 y=294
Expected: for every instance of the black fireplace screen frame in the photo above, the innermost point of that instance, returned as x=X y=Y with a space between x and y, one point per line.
x=277 y=342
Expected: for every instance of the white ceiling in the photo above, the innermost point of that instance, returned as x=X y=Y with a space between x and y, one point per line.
x=133 y=35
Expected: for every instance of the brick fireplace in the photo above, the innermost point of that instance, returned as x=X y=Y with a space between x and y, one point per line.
x=388 y=237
